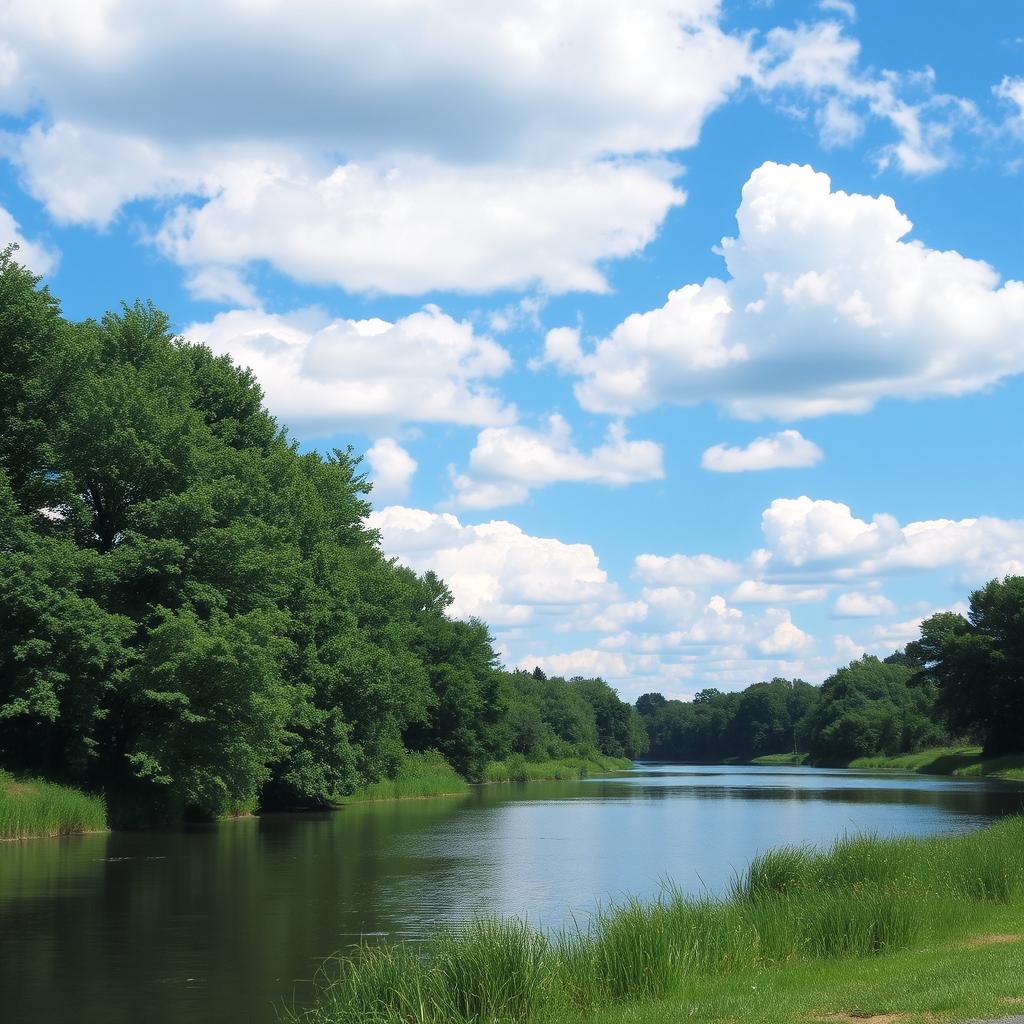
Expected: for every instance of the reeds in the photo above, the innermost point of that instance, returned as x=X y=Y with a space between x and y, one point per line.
x=863 y=896
x=31 y=808
x=419 y=775
x=517 y=768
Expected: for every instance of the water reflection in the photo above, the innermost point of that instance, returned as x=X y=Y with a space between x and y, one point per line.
x=214 y=923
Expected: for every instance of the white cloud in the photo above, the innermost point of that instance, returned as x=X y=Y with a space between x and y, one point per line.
x=802 y=531
x=786 y=638
x=36 y=257
x=828 y=310
x=788 y=449
x=857 y=605
x=843 y=7
x=684 y=570
x=223 y=285
x=392 y=469
x=824 y=537
x=324 y=375
x=508 y=461
x=759 y=592
x=820 y=63
x=587 y=662
x=1011 y=90
x=389 y=147
x=561 y=348
x=422 y=226
x=495 y=570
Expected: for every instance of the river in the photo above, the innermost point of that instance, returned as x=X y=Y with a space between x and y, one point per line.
x=219 y=923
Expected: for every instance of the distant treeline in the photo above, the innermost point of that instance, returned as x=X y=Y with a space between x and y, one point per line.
x=194 y=617
x=963 y=680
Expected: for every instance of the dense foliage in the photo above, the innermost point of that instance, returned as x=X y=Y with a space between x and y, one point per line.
x=194 y=616
x=976 y=664
x=866 y=709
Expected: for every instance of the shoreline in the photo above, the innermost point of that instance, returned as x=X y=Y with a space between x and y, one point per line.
x=863 y=928
x=461 y=787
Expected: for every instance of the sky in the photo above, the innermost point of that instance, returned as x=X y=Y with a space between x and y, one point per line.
x=683 y=338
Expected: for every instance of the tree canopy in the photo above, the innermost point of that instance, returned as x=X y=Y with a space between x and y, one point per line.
x=196 y=617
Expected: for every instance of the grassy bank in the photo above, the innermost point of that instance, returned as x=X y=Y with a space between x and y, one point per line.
x=31 y=808
x=780 y=759
x=961 y=761
x=765 y=952
x=517 y=769
x=419 y=775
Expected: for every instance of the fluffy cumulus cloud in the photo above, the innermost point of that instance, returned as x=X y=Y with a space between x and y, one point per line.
x=403 y=147
x=495 y=570
x=507 y=462
x=397 y=147
x=391 y=469
x=825 y=538
x=323 y=375
x=829 y=308
x=688 y=620
x=788 y=449
x=40 y=259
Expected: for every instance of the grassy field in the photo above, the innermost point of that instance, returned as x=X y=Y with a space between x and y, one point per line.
x=915 y=926
x=961 y=761
x=420 y=775
x=518 y=769
x=30 y=809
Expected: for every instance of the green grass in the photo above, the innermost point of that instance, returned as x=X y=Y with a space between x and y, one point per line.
x=419 y=775
x=790 y=758
x=849 y=929
x=517 y=769
x=959 y=761
x=31 y=808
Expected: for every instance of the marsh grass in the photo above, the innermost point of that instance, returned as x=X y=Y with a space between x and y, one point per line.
x=31 y=808
x=518 y=769
x=862 y=897
x=419 y=775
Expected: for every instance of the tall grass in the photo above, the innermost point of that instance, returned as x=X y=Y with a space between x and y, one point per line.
x=960 y=761
x=31 y=808
x=419 y=775
x=517 y=768
x=863 y=896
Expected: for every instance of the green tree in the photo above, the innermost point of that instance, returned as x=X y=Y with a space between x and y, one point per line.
x=977 y=665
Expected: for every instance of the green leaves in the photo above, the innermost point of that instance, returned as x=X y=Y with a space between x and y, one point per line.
x=976 y=665
x=194 y=615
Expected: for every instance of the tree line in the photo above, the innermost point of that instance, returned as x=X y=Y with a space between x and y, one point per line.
x=963 y=680
x=194 y=616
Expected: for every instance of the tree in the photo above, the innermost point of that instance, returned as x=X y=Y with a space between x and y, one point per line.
x=976 y=665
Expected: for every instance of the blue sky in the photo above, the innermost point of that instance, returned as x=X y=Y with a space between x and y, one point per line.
x=483 y=243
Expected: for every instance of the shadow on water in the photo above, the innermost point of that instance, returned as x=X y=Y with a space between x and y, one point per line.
x=216 y=922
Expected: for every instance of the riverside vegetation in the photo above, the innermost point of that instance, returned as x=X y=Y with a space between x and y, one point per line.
x=198 y=620
x=788 y=915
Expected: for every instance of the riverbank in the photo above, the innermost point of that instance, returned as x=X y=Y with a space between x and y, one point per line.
x=518 y=769
x=964 y=762
x=428 y=775
x=33 y=809
x=868 y=926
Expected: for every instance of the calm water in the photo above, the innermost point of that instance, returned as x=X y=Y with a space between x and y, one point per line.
x=216 y=924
